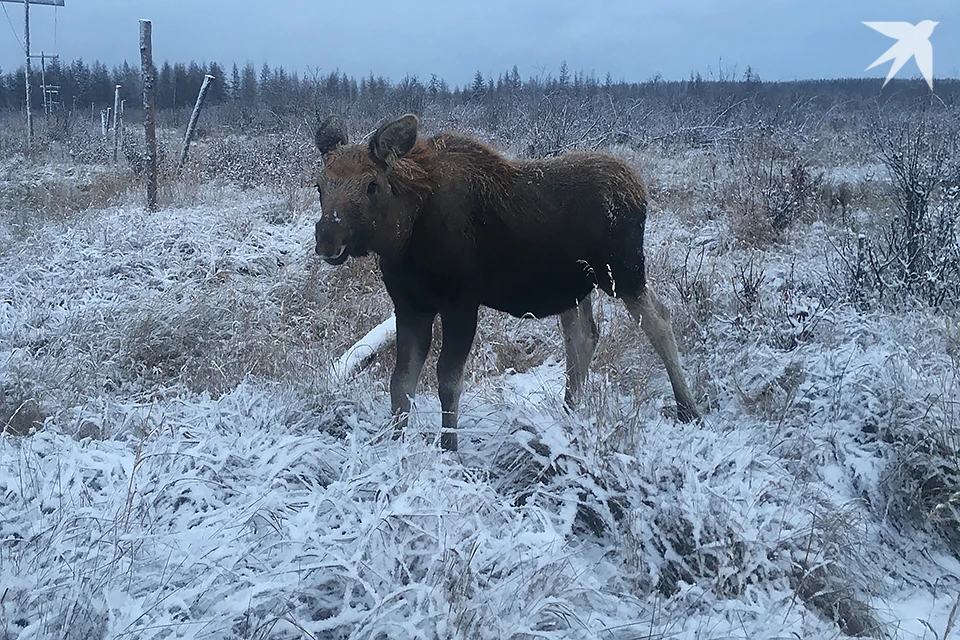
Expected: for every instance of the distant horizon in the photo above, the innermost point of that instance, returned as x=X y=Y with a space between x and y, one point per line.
x=729 y=75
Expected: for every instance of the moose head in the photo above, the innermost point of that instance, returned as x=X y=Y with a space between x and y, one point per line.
x=364 y=193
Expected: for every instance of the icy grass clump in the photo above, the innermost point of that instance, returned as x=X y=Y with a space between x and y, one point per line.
x=127 y=301
x=242 y=517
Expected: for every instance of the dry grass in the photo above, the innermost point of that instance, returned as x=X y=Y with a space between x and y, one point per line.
x=20 y=413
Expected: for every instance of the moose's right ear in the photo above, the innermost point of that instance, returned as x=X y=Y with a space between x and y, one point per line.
x=394 y=139
x=331 y=134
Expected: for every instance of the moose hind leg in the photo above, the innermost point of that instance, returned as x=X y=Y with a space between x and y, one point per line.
x=459 y=328
x=654 y=319
x=414 y=334
x=580 y=337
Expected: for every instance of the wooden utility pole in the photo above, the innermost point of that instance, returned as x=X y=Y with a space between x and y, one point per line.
x=194 y=117
x=43 y=82
x=26 y=50
x=26 y=46
x=149 y=113
x=51 y=93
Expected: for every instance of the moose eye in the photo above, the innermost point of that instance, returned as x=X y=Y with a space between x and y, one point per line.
x=372 y=188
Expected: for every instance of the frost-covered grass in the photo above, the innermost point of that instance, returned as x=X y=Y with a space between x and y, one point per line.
x=177 y=461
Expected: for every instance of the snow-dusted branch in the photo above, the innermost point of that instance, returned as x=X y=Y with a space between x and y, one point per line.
x=353 y=358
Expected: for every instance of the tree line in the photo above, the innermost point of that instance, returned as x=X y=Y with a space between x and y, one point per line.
x=539 y=115
x=82 y=86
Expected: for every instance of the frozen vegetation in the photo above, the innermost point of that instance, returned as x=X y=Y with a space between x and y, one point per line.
x=185 y=454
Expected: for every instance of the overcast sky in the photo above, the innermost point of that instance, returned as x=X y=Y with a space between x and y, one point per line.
x=630 y=39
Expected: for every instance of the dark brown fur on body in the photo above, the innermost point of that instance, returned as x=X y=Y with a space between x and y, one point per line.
x=457 y=225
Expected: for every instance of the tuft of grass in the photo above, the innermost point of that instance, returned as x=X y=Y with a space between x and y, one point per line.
x=20 y=412
x=923 y=488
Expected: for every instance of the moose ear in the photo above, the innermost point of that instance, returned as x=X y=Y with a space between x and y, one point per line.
x=394 y=139
x=331 y=134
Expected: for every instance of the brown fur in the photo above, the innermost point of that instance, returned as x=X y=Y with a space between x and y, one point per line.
x=457 y=225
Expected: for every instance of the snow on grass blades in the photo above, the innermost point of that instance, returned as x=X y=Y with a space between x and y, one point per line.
x=182 y=464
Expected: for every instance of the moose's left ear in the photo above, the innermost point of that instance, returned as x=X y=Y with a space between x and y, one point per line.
x=330 y=135
x=394 y=139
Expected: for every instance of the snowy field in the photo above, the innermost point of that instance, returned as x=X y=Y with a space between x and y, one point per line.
x=177 y=460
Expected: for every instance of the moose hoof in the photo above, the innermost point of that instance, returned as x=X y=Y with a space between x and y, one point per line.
x=398 y=424
x=687 y=413
x=448 y=441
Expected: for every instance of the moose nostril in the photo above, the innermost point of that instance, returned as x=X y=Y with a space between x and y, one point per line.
x=324 y=237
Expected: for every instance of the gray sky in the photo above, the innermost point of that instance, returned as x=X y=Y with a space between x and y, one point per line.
x=631 y=39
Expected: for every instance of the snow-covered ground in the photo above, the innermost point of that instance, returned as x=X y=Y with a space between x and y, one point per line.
x=179 y=462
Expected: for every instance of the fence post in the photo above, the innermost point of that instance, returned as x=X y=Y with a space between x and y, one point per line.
x=116 y=122
x=149 y=113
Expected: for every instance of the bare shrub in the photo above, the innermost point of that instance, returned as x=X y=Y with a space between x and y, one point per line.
x=563 y=121
x=914 y=253
x=717 y=122
x=920 y=158
x=772 y=187
x=252 y=161
x=696 y=283
x=747 y=286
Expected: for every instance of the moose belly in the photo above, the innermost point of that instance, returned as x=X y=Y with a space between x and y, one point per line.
x=525 y=291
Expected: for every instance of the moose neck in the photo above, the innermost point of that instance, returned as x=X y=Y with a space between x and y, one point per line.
x=391 y=236
x=412 y=182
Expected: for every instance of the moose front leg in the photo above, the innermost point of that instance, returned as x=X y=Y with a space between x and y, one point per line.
x=414 y=334
x=580 y=336
x=459 y=329
x=654 y=319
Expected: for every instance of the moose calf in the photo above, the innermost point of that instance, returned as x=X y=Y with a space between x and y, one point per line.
x=458 y=225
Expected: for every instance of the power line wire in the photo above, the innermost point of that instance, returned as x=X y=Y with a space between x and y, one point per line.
x=10 y=22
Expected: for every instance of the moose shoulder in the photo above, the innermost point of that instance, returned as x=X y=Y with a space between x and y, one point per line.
x=457 y=225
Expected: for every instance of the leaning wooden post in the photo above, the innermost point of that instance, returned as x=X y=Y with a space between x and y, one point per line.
x=116 y=122
x=149 y=114
x=194 y=117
